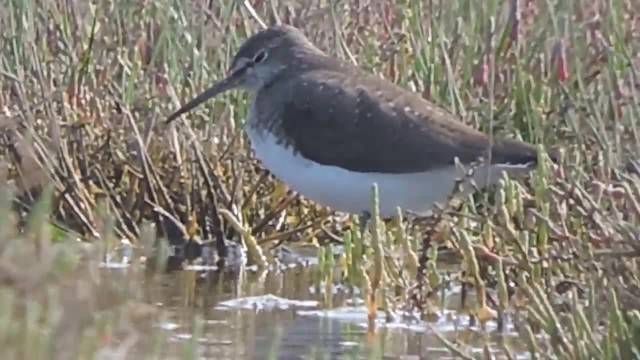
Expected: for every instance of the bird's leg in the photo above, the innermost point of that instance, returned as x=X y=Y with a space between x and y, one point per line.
x=363 y=221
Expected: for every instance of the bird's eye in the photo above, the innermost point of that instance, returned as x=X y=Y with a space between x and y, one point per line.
x=260 y=56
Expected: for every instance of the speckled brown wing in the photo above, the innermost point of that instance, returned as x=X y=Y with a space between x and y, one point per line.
x=352 y=123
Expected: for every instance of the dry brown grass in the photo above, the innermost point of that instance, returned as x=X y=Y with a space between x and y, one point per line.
x=85 y=89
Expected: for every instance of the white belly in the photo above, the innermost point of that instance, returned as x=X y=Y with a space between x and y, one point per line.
x=349 y=191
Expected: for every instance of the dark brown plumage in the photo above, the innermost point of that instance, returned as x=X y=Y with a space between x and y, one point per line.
x=365 y=123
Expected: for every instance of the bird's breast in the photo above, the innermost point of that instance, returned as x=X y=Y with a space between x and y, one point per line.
x=345 y=190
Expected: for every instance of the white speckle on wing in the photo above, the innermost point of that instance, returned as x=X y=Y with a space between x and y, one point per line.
x=350 y=191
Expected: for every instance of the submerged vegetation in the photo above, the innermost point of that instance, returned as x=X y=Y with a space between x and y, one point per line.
x=91 y=179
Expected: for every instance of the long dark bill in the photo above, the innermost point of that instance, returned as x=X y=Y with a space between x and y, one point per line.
x=228 y=83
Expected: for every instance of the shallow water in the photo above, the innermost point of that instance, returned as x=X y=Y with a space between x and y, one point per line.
x=282 y=315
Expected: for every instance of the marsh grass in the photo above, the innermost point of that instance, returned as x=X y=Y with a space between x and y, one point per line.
x=86 y=160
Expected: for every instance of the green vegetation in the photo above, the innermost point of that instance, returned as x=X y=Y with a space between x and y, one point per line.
x=85 y=162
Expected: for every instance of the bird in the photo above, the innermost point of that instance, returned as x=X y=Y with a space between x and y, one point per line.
x=329 y=130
